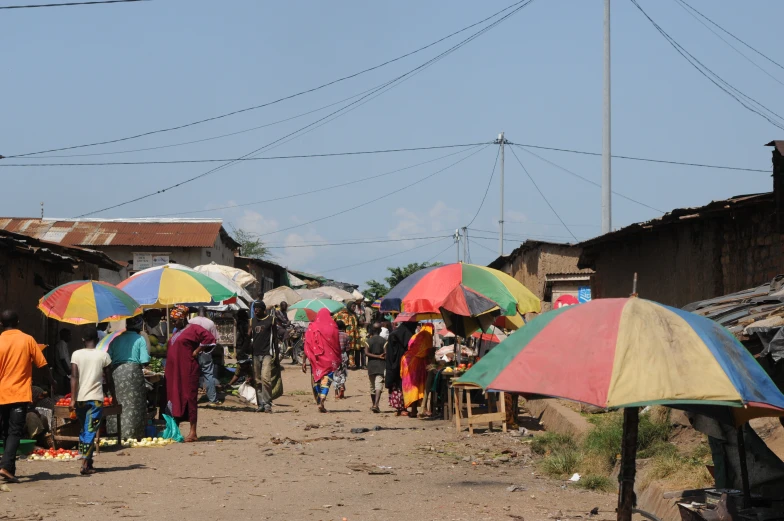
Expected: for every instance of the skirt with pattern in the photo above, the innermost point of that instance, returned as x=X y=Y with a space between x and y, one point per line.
x=132 y=395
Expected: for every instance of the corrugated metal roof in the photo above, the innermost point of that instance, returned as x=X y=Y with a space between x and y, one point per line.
x=133 y=232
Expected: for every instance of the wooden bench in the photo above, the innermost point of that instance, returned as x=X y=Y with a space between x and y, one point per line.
x=466 y=414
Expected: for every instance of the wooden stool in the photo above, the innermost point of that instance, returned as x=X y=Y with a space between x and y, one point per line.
x=493 y=414
x=63 y=413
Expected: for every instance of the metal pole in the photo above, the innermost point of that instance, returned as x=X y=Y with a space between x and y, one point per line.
x=606 y=153
x=457 y=243
x=501 y=220
x=465 y=244
x=744 y=470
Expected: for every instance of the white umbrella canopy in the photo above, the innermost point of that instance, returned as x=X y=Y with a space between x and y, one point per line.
x=336 y=293
x=229 y=283
x=280 y=294
x=239 y=276
x=357 y=295
x=312 y=294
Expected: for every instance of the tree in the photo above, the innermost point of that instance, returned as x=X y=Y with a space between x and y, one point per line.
x=377 y=289
x=250 y=245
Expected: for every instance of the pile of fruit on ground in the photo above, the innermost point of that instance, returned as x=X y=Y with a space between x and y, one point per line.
x=55 y=455
x=134 y=444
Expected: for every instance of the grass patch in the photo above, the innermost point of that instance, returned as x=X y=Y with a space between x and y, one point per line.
x=300 y=392
x=679 y=471
x=596 y=482
x=605 y=439
x=562 y=463
x=549 y=442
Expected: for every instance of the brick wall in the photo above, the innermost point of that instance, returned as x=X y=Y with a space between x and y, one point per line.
x=752 y=250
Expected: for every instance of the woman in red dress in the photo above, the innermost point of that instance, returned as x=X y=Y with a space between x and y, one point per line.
x=182 y=368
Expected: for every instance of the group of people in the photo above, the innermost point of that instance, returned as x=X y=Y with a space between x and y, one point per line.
x=395 y=360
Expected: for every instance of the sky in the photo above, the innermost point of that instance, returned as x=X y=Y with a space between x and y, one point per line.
x=77 y=75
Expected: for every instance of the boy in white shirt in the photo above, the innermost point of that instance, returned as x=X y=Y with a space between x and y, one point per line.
x=88 y=368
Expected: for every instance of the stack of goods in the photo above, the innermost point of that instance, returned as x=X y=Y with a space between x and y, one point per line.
x=55 y=455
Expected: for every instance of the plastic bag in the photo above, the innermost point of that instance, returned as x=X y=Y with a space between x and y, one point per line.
x=248 y=393
x=172 y=431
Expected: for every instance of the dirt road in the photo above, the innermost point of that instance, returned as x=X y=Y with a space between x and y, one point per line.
x=299 y=464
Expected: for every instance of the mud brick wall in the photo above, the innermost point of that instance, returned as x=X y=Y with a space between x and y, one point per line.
x=751 y=251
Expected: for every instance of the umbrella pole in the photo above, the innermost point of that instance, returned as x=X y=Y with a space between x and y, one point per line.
x=626 y=498
x=744 y=470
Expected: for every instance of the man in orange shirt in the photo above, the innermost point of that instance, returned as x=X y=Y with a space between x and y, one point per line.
x=18 y=353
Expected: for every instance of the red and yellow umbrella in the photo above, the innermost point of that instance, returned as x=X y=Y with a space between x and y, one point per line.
x=88 y=302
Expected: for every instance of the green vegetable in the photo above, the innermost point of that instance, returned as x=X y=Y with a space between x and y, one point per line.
x=156 y=365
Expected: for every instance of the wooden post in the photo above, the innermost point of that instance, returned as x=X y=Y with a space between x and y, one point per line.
x=626 y=498
x=744 y=470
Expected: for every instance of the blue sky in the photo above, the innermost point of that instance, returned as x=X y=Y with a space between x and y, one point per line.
x=84 y=74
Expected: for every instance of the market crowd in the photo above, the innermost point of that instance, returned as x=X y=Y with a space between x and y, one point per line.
x=113 y=369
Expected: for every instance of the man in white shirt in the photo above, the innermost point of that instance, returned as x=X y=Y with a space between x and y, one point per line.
x=89 y=367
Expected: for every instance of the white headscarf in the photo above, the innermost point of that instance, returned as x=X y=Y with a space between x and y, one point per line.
x=384 y=333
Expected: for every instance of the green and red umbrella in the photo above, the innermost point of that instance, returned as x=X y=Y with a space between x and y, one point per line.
x=306 y=310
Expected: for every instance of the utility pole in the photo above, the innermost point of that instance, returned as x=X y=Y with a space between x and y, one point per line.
x=457 y=243
x=465 y=244
x=606 y=152
x=501 y=141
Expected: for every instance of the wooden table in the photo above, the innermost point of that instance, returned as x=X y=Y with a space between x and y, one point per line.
x=494 y=401
x=63 y=413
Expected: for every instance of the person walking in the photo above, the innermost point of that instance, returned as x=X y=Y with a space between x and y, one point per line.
x=397 y=345
x=128 y=353
x=89 y=367
x=263 y=337
x=341 y=375
x=18 y=353
x=62 y=364
x=376 y=364
x=322 y=350
x=413 y=368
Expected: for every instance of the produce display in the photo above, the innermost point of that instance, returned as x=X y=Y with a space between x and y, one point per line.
x=144 y=442
x=156 y=365
x=52 y=454
x=66 y=401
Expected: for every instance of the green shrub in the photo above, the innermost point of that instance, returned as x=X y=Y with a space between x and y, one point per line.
x=596 y=482
x=561 y=463
x=606 y=437
x=552 y=442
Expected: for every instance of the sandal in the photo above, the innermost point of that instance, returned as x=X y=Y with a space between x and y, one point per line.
x=8 y=477
x=375 y=409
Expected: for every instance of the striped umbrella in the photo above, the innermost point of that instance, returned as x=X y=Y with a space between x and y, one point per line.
x=629 y=353
x=461 y=290
x=88 y=302
x=172 y=284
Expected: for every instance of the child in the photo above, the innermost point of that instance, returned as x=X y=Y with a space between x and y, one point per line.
x=87 y=367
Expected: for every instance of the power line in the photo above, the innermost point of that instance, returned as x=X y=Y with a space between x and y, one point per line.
x=384 y=257
x=542 y=194
x=309 y=192
x=489 y=182
x=714 y=78
x=269 y=158
x=317 y=245
x=356 y=207
x=686 y=8
x=537 y=223
x=437 y=255
x=486 y=248
x=376 y=238
x=771 y=60
x=72 y=4
x=645 y=159
x=522 y=235
x=393 y=83
x=291 y=96
x=590 y=181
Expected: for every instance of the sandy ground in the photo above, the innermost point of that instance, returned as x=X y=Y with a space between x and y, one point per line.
x=299 y=464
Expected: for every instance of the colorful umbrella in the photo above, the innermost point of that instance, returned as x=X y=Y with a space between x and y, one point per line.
x=301 y=315
x=628 y=353
x=88 y=302
x=172 y=284
x=565 y=300
x=511 y=323
x=314 y=305
x=103 y=344
x=461 y=289
x=376 y=304
x=487 y=335
x=614 y=353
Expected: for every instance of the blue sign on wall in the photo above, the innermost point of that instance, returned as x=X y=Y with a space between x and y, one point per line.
x=584 y=294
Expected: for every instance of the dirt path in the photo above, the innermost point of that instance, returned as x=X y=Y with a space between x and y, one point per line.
x=299 y=464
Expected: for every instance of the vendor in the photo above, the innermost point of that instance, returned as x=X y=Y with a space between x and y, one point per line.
x=128 y=352
x=39 y=417
x=154 y=331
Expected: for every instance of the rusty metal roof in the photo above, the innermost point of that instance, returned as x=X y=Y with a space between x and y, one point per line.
x=198 y=233
x=58 y=253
